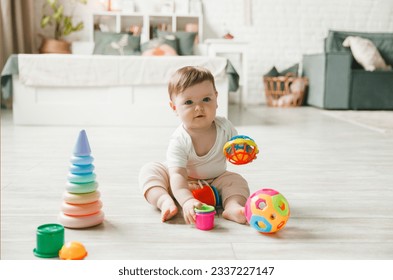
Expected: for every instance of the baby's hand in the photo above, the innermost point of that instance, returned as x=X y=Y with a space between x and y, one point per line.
x=188 y=210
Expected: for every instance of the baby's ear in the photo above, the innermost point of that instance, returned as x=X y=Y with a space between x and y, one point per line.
x=172 y=105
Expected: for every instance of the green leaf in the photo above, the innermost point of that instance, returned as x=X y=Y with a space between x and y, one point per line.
x=63 y=23
x=67 y=31
x=67 y=20
x=79 y=26
x=59 y=12
x=44 y=21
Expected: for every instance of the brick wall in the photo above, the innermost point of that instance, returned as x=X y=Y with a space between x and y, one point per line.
x=283 y=30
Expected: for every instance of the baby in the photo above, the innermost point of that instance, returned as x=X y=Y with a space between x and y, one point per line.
x=195 y=152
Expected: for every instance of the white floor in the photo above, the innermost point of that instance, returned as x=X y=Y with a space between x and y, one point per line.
x=336 y=175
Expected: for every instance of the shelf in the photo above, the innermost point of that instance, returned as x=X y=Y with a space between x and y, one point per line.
x=117 y=21
x=225 y=41
x=218 y=47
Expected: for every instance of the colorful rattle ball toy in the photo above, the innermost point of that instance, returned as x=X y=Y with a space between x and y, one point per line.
x=267 y=211
x=240 y=149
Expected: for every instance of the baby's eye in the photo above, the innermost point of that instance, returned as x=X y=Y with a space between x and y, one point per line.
x=206 y=99
x=188 y=102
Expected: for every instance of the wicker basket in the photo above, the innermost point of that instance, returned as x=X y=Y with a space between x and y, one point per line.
x=285 y=91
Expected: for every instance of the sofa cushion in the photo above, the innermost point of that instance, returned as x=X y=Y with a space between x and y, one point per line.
x=272 y=72
x=365 y=53
x=291 y=69
x=185 y=41
x=160 y=46
x=111 y=43
x=383 y=42
x=371 y=90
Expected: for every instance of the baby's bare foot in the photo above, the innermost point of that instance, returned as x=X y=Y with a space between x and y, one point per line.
x=168 y=211
x=168 y=208
x=235 y=213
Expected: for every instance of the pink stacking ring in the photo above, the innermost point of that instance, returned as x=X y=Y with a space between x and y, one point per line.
x=81 y=209
x=81 y=222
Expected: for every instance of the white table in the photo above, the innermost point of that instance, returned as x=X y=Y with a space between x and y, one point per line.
x=215 y=47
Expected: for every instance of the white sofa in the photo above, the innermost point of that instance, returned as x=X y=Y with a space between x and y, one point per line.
x=59 y=89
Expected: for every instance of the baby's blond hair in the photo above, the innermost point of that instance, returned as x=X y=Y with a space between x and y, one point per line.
x=188 y=76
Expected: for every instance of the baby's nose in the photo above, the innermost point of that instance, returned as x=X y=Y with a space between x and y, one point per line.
x=199 y=107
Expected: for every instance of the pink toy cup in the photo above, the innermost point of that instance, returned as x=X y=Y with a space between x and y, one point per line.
x=205 y=217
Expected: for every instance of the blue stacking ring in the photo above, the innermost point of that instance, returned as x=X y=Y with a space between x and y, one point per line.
x=83 y=160
x=218 y=199
x=81 y=169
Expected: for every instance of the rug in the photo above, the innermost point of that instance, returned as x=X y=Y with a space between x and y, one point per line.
x=380 y=121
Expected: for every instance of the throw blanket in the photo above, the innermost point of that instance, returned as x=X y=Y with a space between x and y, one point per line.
x=86 y=70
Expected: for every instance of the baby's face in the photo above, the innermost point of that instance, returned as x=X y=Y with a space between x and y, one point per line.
x=197 y=106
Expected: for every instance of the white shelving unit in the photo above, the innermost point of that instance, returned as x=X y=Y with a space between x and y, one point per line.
x=217 y=47
x=121 y=22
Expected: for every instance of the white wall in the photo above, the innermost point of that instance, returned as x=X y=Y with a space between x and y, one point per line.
x=281 y=30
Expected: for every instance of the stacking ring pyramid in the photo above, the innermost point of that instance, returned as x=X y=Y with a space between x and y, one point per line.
x=81 y=207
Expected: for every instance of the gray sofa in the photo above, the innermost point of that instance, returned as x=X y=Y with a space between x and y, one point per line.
x=337 y=81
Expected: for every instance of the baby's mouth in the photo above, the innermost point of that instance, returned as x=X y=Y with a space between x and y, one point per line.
x=199 y=116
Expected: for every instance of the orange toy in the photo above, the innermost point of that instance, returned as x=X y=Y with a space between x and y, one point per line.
x=240 y=150
x=207 y=194
x=73 y=250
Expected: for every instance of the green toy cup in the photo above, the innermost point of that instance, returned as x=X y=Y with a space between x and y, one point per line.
x=204 y=209
x=50 y=240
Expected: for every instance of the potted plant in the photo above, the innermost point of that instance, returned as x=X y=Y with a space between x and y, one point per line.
x=53 y=15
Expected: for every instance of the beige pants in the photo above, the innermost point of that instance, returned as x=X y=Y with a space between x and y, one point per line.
x=155 y=174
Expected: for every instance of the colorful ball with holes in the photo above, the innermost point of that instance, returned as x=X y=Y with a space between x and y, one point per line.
x=240 y=149
x=267 y=211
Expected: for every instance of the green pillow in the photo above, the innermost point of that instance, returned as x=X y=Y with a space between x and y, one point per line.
x=272 y=72
x=293 y=69
x=111 y=43
x=185 y=41
x=156 y=42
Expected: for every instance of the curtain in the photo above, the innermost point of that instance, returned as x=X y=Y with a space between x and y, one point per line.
x=16 y=29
